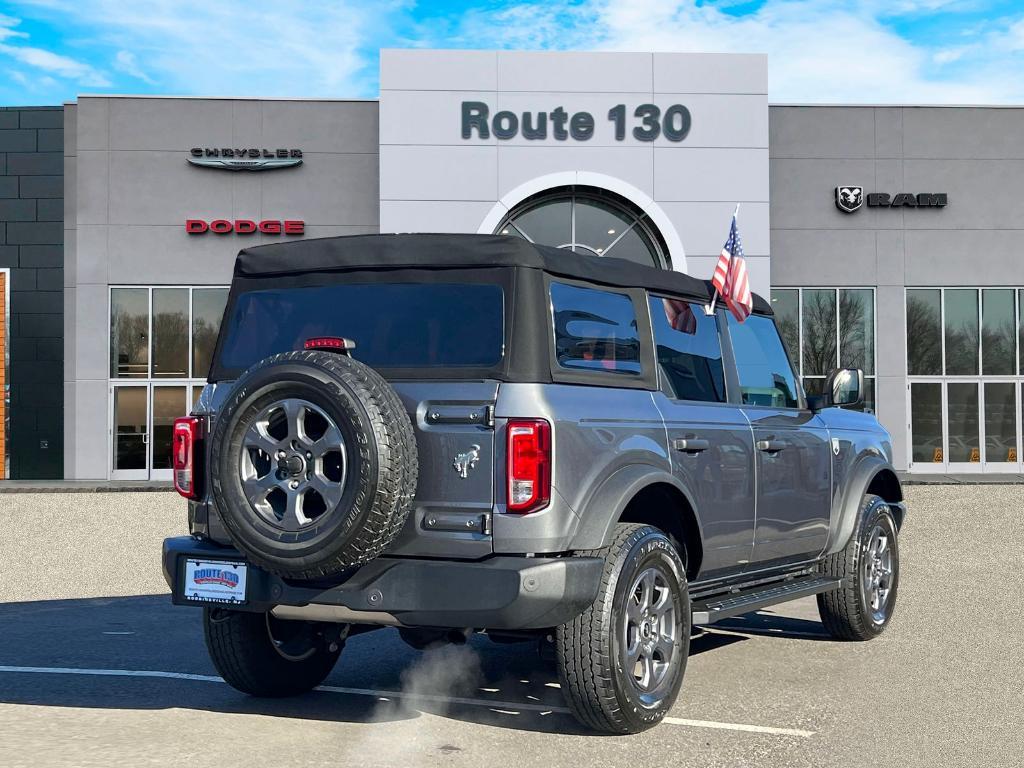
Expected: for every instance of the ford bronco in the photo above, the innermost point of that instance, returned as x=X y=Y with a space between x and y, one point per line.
x=458 y=433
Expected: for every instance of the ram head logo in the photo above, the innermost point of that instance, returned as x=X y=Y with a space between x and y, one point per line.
x=849 y=199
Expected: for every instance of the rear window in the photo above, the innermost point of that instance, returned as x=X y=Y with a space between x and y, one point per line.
x=595 y=330
x=394 y=325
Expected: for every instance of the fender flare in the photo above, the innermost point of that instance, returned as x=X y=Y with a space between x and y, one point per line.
x=852 y=496
x=604 y=508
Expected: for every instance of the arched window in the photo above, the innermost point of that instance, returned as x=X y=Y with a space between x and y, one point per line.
x=588 y=220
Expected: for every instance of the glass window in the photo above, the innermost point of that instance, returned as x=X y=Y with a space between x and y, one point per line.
x=1000 y=421
x=857 y=329
x=818 y=326
x=998 y=345
x=599 y=224
x=595 y=330
x=689 y=350
x=587 y=220
x=924 y=332
x=926 y=422
x=962 y=422
x=1020 y=340
x=766 y=377
x=170 y=333
x=549 y=223
x=394 y=325
x=129 y=333
x=207 y=311
x=961 y=329
x=786 y=306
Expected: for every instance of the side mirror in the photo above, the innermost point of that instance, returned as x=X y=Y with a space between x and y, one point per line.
x=845 y=387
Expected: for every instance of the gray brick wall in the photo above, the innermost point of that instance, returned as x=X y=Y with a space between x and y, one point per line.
x=31 y=246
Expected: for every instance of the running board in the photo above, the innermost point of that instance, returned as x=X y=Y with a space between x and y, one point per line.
x=722 y=607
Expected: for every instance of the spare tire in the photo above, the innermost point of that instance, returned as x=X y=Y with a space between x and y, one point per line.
x=313 y=465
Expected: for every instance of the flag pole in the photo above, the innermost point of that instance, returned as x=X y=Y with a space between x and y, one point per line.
x=710 y=308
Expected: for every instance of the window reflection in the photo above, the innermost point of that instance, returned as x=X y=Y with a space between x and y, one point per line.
x=924 y=332
x=207 y=311
x=595 y=330
x=129 y=333
x=997 y=331
x=170 y=333
x=818 y=326
x=961 y=331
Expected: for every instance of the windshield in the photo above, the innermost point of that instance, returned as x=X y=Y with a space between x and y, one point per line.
x=394 y=325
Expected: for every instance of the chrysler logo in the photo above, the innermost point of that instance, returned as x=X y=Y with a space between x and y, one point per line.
x=251 y=159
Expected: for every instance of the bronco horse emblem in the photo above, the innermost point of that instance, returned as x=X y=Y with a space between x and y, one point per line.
x=467 y=461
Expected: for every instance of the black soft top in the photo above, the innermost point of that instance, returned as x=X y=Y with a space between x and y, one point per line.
x=450 y=251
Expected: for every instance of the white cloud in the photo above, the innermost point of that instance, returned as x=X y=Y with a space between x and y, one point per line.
x=818 y=50
x=44 y=60
x=125 y=62
x=260 y=47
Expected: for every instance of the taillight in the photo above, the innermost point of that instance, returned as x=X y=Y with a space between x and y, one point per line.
x=329 y=344
x=529 y=465
x=188 y=431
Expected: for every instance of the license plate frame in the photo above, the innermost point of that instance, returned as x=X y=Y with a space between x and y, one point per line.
x=218 y=582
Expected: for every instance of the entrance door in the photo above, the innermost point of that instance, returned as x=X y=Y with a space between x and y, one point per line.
x=129 y=406
x=965 y=425
x=142 y=421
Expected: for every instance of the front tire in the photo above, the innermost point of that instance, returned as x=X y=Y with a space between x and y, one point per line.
x=621 y=662
x=869 y=568
x=264 y=656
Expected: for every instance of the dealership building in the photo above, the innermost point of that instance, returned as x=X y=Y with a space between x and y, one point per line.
x=889 y=238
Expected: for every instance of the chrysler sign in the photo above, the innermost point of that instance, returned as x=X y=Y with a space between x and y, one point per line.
x=245 y=159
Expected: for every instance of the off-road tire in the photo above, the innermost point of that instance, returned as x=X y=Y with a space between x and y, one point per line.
x=845 y=612
x=382 y=464
x=588 y=648
x=244 y=654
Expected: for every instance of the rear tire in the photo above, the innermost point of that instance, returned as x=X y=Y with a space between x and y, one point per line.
x=869 y=568
x=263 y=656
x=621 y=662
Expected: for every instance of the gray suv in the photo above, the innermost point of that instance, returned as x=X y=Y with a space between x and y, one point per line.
x=451 y=434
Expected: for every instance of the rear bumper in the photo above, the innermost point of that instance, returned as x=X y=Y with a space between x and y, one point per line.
x=497 y=593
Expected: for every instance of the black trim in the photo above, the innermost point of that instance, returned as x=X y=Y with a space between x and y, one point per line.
x=496 y=593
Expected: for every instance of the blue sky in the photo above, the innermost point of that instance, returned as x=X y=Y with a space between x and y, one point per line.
x=820 y=51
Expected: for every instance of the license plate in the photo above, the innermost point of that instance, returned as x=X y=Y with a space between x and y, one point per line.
x=215 y=581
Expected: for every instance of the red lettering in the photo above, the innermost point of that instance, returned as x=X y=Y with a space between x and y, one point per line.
x=220 y=226
x=195 y=226
x=245 y=226
x=294 y=227
x=269 y=227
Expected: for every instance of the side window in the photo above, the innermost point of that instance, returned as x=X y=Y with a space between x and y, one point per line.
x=595 y=330
x=766 y=377
x=689 y=350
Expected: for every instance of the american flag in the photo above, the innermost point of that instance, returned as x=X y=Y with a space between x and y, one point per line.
x=730 y=279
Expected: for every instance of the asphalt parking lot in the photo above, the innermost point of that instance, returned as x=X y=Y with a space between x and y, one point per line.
x=96 y=667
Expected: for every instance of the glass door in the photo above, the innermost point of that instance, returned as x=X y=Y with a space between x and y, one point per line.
x=169 y=401
x=129 y=418
x=963 y=426
x=927 y=417
x=1001 y=406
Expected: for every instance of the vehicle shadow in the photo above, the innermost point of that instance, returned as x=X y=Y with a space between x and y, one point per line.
x=378 y=679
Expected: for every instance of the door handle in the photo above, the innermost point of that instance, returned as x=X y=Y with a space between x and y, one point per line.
x=770 y=446
x=691 y=445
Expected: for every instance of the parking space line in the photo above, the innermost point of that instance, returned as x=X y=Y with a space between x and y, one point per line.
x=738 y=727
x=387 y=695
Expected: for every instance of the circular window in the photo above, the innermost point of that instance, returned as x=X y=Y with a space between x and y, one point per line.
x=588 y=220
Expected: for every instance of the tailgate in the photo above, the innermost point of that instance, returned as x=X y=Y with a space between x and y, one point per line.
x=453 y=422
